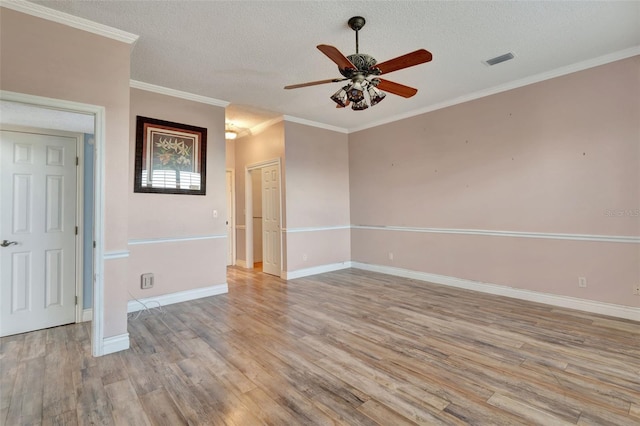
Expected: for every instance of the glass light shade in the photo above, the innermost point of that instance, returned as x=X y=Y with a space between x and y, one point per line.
x=360 y=105
x=340 y=97
x=355 y=92
x=230 y=134
x=375 y=95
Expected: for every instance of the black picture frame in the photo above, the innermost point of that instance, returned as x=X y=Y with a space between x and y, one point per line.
x=170 y=157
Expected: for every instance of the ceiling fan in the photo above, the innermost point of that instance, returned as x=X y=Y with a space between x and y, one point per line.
x=363 y=70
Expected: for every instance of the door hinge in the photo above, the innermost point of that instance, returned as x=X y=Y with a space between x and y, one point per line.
x=77 y=161
x=94 y=244
x=76 y=230
x=76 y=300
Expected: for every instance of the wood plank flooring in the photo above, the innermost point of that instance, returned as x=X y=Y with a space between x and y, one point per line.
x=348 y=347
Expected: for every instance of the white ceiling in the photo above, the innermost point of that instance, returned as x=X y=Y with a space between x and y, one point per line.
x=245 y=52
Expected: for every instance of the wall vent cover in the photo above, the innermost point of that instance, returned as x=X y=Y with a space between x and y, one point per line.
x=498 y=59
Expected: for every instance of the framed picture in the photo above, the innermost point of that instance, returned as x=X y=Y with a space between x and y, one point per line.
x=170 y=157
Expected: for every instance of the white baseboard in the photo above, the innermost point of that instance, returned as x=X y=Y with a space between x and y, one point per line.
x=115 y=344
x=87 y=314
x=602 y=308
x=299 y=273
x=181 y=296
x=241 y=263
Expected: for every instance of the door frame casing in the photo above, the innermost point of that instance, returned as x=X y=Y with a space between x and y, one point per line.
x=248 y=210
x=98 y=112
x=79 y=169
x=232 y=214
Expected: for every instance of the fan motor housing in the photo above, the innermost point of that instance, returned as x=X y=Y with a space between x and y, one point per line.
x=365 y=64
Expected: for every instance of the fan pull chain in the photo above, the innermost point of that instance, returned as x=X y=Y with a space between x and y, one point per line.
x=357 y=46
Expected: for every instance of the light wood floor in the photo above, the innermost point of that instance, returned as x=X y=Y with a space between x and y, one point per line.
x=348 y=347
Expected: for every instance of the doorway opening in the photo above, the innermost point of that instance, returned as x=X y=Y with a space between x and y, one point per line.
x=55 y=109
x=263 y=218
x=256 y=217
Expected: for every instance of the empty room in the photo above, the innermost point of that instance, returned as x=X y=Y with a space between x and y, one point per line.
x=319 y=212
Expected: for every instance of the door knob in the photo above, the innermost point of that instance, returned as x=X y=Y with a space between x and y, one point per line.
x=6 y=243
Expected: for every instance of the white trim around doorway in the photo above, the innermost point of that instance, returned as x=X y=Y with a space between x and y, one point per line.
x=232 y=215
x=97 y=325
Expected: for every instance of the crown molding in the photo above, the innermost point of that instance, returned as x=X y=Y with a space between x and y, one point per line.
x=558 y=72
x=315 y=124
x=69 y=20
x=266 y=124
x=259 y=128
x=177 y=93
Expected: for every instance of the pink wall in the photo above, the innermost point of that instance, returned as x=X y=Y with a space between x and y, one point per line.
x=47 y=59
x=175 y=217
x=317 y=196
x=544 y=265
x=230 y=154
x=177 y=266
x=315 y=191
x=317 y=176
x=309 y=249
x=552 y=157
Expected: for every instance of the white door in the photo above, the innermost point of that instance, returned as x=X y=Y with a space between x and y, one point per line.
x=230 y=213
x=37 y=231
x=271 y=220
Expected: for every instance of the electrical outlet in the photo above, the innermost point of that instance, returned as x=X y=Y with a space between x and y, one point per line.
x=582 y=282
x=636 y=289
x=304 y=257
x=146 y=281
x=390 y=256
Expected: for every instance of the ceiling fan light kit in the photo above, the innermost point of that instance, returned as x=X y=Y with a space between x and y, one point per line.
x=375 y=95
x=363 y=70
x=360 y=105
x=341 y=98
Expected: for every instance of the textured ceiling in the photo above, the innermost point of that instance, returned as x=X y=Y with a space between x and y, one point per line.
x=245 y=52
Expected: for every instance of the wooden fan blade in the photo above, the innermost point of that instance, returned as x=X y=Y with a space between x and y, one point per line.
x=336 y=56
x=314 y=83
x=405 y=61
x=397 y=88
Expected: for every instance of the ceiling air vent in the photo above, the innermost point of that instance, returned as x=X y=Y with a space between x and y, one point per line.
x=498 y=59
